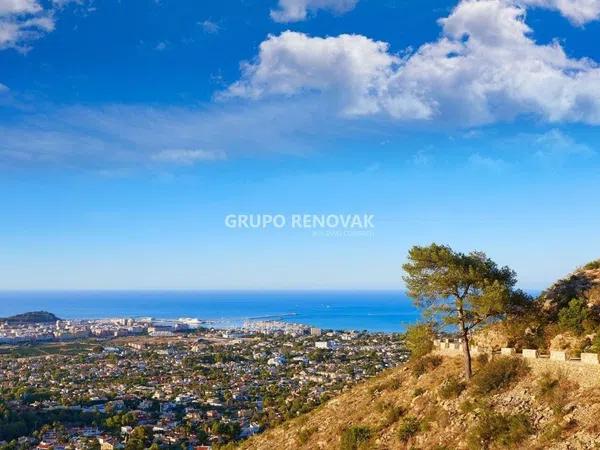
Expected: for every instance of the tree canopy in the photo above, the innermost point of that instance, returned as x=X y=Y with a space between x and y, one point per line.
x=459 y=290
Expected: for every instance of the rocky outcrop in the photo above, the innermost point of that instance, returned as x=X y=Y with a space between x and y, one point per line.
x=492 y=337
x=569 y=343
x=583 y=283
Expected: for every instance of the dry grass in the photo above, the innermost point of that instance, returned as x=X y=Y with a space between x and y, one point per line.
x=397 y=419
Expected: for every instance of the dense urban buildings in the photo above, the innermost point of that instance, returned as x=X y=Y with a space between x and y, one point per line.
x=124 y=383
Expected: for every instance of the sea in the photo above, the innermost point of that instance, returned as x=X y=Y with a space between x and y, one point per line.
x=379 y=311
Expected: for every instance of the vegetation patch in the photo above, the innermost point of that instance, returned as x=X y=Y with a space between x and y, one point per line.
x=592 y=265
x=305 y=433
x=452 y=388
x=355 y=438
x=499 y=430
x=425 y=364
x=418 y=391
x=391 y=384
x=576 y=317
x=497 y=374
x=409 y=427
x=554 y=390
x=419 y=340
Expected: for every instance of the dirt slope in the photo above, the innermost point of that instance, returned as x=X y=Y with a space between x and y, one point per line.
x=560 y=414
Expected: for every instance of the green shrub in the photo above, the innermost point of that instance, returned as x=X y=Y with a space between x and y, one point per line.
x=391 y=384
x=409 y=427
x=425 y=363
x=353 y=438
x=595 y=344
x=499 y=430
x=391 y=412
x=418 y=391
x=452 y=388
x=305 y=434
x=554 y=391
x=592 y=265
x=498 y=373
x=575 y=317
x=419 y=340
x=547 y=384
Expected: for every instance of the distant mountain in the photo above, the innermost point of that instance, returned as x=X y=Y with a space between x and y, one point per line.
x=31 y=317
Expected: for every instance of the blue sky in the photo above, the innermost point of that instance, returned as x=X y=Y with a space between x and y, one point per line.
x=129 y=130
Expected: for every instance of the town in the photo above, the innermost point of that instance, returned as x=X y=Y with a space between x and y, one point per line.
x=135 y=384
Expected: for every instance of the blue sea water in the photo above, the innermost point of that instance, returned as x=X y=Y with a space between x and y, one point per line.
x=372 y=311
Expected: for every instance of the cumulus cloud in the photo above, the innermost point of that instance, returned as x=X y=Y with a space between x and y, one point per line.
x=485 y=67
x=577 y=11
x=23 y=21
x=298 y=10
x=355 y=70
x=187 y=156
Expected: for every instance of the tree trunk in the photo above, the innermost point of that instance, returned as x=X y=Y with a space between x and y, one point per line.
x=467 y=353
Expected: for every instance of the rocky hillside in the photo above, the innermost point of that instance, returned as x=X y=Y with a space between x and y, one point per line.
x=582 y=283
x=426 y=405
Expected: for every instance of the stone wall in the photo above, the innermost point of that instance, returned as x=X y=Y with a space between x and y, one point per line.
x=584 y=370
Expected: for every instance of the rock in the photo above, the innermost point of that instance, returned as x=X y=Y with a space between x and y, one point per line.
x=583 y=283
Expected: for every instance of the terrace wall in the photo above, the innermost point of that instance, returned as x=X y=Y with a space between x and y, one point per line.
x=584 y=370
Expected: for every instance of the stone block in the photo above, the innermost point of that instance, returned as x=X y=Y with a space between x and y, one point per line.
x=530 y=353
x=558 y=356
x=507 y=351
x=590 y=358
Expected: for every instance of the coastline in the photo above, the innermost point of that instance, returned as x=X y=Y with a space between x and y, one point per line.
x=372 y=311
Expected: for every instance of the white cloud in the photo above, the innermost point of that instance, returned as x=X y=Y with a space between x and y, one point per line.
x=355 y=70
x=485 y=68
x=297 y=10
x=187 y=156
x=8 y=7
x=577 y=11
x=555 y=144
x=63 y=3
x=209 y=27
x=23 y=21
x=17 y=33
x=110 y=136
x=160 y=46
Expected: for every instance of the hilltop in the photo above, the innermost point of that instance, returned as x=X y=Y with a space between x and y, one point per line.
x=509 y=403
x=582 y=283
x=31 y=317
x=425 y=405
